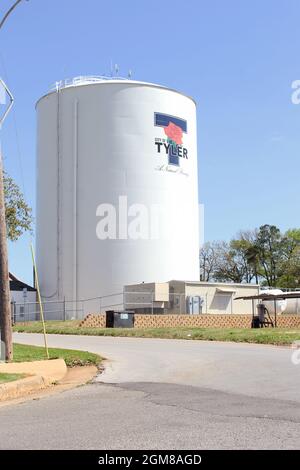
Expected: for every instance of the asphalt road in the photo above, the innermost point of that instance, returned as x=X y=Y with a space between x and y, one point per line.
x=165 y=394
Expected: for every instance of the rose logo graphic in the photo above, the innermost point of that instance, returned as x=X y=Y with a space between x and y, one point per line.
x=174 y=133
x=174 y=128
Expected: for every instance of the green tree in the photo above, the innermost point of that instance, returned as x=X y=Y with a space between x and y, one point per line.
x=264 y=255
x=289 y=271
x=232 y=265
x=247 y=242
x=209 y=256
x=18 y=213
x=269 y=247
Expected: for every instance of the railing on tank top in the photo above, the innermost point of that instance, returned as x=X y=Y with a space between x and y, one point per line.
x=83 y=80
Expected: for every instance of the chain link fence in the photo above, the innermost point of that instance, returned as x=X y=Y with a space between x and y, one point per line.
x=64 y=309
x=140 y=302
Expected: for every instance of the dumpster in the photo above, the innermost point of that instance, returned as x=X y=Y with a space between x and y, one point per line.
x=117 y=319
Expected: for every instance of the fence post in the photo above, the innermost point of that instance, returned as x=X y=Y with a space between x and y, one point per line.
x=13 y=312
x=64 y=312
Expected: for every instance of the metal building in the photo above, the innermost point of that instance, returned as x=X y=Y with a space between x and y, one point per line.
x=189 y=297
x=117 y=187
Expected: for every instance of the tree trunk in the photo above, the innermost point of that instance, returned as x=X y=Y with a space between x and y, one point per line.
x=5 y=312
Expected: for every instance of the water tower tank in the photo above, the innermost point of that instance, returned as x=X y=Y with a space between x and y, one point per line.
x=117 y=189
x=281 y=305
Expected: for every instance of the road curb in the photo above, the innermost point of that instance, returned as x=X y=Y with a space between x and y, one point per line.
x=35 y=387
x=51 y=370
x=19 y=388
x=41 y=374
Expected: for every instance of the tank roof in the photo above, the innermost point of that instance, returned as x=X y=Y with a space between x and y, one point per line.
x=97 y=80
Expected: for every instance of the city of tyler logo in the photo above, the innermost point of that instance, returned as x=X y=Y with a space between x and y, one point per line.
x=172 y=142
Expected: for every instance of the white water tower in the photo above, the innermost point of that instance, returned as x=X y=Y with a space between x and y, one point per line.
x=115 y=152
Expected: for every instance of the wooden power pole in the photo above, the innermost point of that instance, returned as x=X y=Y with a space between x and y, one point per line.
x=5 y=310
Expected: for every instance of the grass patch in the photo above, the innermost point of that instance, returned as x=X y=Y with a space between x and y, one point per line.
x=276 y=336
x=10 y=377
x=24 y=353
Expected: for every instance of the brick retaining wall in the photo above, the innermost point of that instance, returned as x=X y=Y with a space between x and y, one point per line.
x=192 y=321
x=93 y=321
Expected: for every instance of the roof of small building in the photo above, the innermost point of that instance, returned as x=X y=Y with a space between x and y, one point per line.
x=16 y=285
x=229 y=284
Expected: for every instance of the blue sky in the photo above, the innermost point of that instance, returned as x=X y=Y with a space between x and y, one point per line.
x=236 y=58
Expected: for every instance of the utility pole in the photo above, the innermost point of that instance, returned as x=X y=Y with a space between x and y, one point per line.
x=5 y=311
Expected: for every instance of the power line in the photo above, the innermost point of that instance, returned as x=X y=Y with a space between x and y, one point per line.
x=9 y=12
x=18 y=146
x=5 y=313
